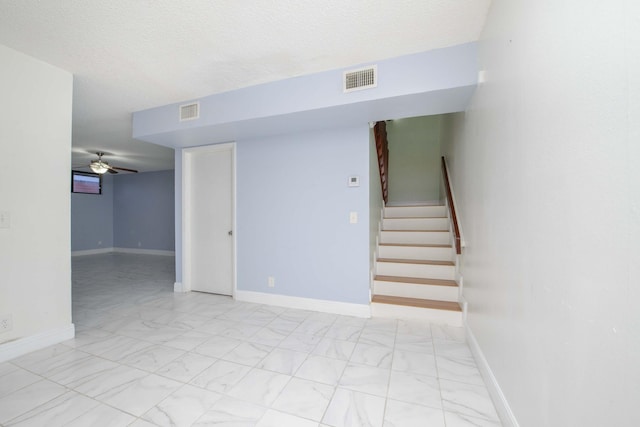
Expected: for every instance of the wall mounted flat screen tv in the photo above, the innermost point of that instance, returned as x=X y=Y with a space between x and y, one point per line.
x=86 y=182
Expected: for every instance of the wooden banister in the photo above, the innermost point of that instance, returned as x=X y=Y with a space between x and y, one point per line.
x=452 y=209
x=382 y=148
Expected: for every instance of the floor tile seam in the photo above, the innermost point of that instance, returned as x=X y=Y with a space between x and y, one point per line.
x=469 y=361
x=42 y=374
x=364 y=392
x=160 y=367
x=26 y=385
x=386 y=398
x=187 y=353
x=98 y=403
x=422 y=405
x=141 y=417
x=473 y=417
x=324 y=414
x=227 y=393
x=478 y=416
x=463 y=362
x=238 y=381
x=311 y=419
x=460 y=413
x=266 y=408
x=67 y=390
x=434 y=377
x=433 y=344
x=118 y=360
x=465 y=383
x=134 y=338
x=8 y=362
x=137 y=417
x=93 y=373
x=386 y=394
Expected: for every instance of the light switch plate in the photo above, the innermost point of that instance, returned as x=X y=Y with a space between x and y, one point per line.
x=353 y=217
x=354 y=181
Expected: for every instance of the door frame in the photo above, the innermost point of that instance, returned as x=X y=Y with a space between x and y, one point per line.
x=187 y=154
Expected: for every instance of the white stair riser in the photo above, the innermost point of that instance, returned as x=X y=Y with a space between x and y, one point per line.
x=424 y=271
x=420 y=237
x=453 y=318
x=416 y=252
x=412 y=290
x=415 y=224
x=414 y=211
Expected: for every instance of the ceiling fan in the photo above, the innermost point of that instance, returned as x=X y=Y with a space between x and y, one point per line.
x=100 y=166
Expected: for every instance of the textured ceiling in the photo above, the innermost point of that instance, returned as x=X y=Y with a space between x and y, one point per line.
x=129 y=55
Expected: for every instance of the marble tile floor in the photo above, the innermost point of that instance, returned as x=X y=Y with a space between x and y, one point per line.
x=145 y=356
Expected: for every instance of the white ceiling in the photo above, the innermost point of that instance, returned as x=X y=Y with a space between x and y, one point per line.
x=130 y=55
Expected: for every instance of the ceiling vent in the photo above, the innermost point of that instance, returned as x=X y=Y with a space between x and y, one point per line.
x=190 y=111
x=361 y=78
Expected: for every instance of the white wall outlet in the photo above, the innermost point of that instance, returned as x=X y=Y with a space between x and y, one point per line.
x=353 y=217
x=5 y=219
x=354 y=181
x=271 y=281
x=6 y=323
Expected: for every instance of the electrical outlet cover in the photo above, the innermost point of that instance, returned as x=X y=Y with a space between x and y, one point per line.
x=6 y=323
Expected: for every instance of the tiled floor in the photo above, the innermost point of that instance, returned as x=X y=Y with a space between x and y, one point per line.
x=144 y=356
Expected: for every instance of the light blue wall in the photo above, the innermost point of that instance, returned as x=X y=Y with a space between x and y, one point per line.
x=433 y=82
x=92 y=218
x=293 y=205
x=425 y=83
x=143 y=215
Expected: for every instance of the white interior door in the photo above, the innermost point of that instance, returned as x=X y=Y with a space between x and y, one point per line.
x=208 y=219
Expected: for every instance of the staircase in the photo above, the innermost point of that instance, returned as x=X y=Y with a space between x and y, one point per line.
x=415 y=269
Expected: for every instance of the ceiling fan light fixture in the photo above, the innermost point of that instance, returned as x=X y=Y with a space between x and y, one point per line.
x=98 y=166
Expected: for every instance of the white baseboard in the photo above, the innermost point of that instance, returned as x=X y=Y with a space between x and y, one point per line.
x=144 y=251
x=21 y=346
x=335 y=307
x=499 y=400
x=123 y=251
x=92 y=252
x=180 y=287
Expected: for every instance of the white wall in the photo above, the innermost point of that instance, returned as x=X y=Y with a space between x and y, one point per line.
x=545 y=167
x=35 y=166
x=376 y=201
x=414 y=160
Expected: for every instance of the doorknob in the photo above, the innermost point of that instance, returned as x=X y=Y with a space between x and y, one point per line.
x=230 y=232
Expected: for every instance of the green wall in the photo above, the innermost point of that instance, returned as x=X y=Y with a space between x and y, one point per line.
x=414 y=160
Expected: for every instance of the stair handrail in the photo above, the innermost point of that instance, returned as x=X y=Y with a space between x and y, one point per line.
x=452 y=208
x=382 y=149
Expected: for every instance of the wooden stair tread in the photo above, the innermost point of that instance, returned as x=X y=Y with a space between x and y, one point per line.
x=416 y=245
x=417 y=231
x=417 y=302
x=416 y=280
x=416 y=261
x=415 y=206
x=416 y=217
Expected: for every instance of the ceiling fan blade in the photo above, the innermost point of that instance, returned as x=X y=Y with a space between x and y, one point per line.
x=124 y=169
x=111 y=170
